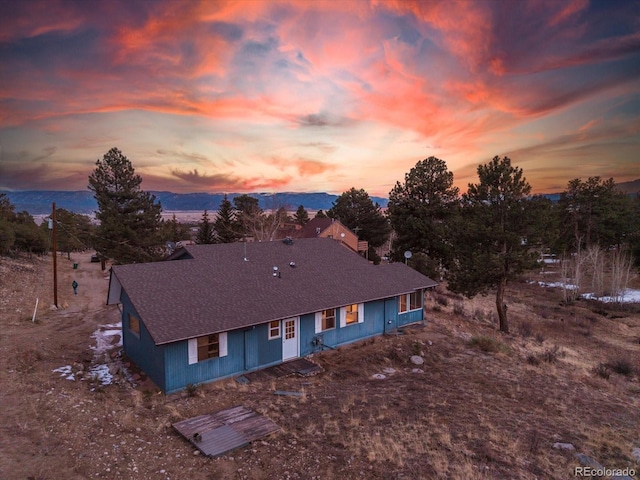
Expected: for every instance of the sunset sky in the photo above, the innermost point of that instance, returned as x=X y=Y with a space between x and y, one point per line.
x=305 y=96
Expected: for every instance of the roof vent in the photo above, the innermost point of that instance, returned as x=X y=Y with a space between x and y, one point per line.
x=292 y=264
x=288 y=241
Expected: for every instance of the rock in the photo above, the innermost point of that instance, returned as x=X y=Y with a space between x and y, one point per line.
x=564 y=446
x=430 y=343
x=635 y=453
x=588 y=461
x=417 y=370
x=196 y=452
x=378 y=376
x=389 y=370
x=417 y=360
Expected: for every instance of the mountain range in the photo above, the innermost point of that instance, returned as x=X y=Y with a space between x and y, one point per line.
x=38 y=202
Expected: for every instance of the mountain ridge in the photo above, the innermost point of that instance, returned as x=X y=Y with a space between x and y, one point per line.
x=38 y=202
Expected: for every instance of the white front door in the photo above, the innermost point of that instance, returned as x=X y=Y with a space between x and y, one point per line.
x=290 y=340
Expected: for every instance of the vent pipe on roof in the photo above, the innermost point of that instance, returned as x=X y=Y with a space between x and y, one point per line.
x=245 y=252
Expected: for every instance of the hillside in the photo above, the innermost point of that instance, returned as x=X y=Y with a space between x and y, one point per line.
x=481 y=406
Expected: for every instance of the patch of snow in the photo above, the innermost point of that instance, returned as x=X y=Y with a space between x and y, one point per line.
x=104 y=336
x=65 y=372
x=102 y=374
x=567 y=286
x=628 y=296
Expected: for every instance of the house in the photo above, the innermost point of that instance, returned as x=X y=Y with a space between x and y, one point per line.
x=215 y=311
x=325 y=228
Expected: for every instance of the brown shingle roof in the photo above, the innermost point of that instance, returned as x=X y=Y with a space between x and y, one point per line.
x=217 y=290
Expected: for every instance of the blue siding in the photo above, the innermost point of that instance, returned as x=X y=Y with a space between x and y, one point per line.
x=250 y=349
x=307 y=334
x=142 y=351
x=374 y=324
x=180 y=373
x=412 y=316
x=269 y=351
x=391 y=314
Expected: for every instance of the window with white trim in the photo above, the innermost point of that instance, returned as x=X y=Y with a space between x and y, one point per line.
x=325 y=320
x=274 y=329
x=206 y=347
x=415 y=300
x=351 y=314
x=402 y=304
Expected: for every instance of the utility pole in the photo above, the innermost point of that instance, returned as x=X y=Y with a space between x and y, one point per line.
x=55 y=257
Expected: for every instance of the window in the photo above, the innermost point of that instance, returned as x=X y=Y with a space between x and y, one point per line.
x=207 y=346
x=351 y=314
x=403 y=304
x=415 y=300
x=274 y=329
x=134 y=325
x=328 y=319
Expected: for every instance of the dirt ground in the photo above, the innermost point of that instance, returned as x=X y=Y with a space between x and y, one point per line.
x=482 y=406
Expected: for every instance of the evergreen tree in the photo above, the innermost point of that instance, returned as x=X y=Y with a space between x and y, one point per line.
x=355 y=209
x=248 y=214
x=73 y=231
x=320 y=214
x=7 y=217
x=205 y=235
x=420 y=211
x=129 y=217
x=174 y=231
x=301 y=217
x=28 y=237
x=491 y=242
x=225 y=226
x=594 y=212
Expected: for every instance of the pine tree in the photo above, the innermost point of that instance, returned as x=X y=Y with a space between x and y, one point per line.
x=129 y=217
x=301 y=217
x=420 y=210
x=205 y=235
x=355 y=209
x=225 y=226
x=492 y=233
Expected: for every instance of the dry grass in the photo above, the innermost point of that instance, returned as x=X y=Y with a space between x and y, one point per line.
x=483 y=405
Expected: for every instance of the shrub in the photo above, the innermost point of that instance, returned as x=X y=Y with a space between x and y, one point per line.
x=526 y=328
x=532 y=359
x=552 y=354
x=191 y=389
x=442 y=300
x=602 y=371
x=539 y=338
x=621 y=366
x=458 y=308
x=487 y=344
x=436 y=308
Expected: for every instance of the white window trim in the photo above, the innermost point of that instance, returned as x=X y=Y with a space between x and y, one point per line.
x=421 y=296
x=274 y=337
x=319 y=320
x=193 y=348
x=343 y=315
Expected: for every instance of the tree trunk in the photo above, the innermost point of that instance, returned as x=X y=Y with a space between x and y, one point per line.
x=502 y=308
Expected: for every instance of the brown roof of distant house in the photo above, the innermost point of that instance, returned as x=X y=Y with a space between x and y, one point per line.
x=218 y=290
x=310 y=229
